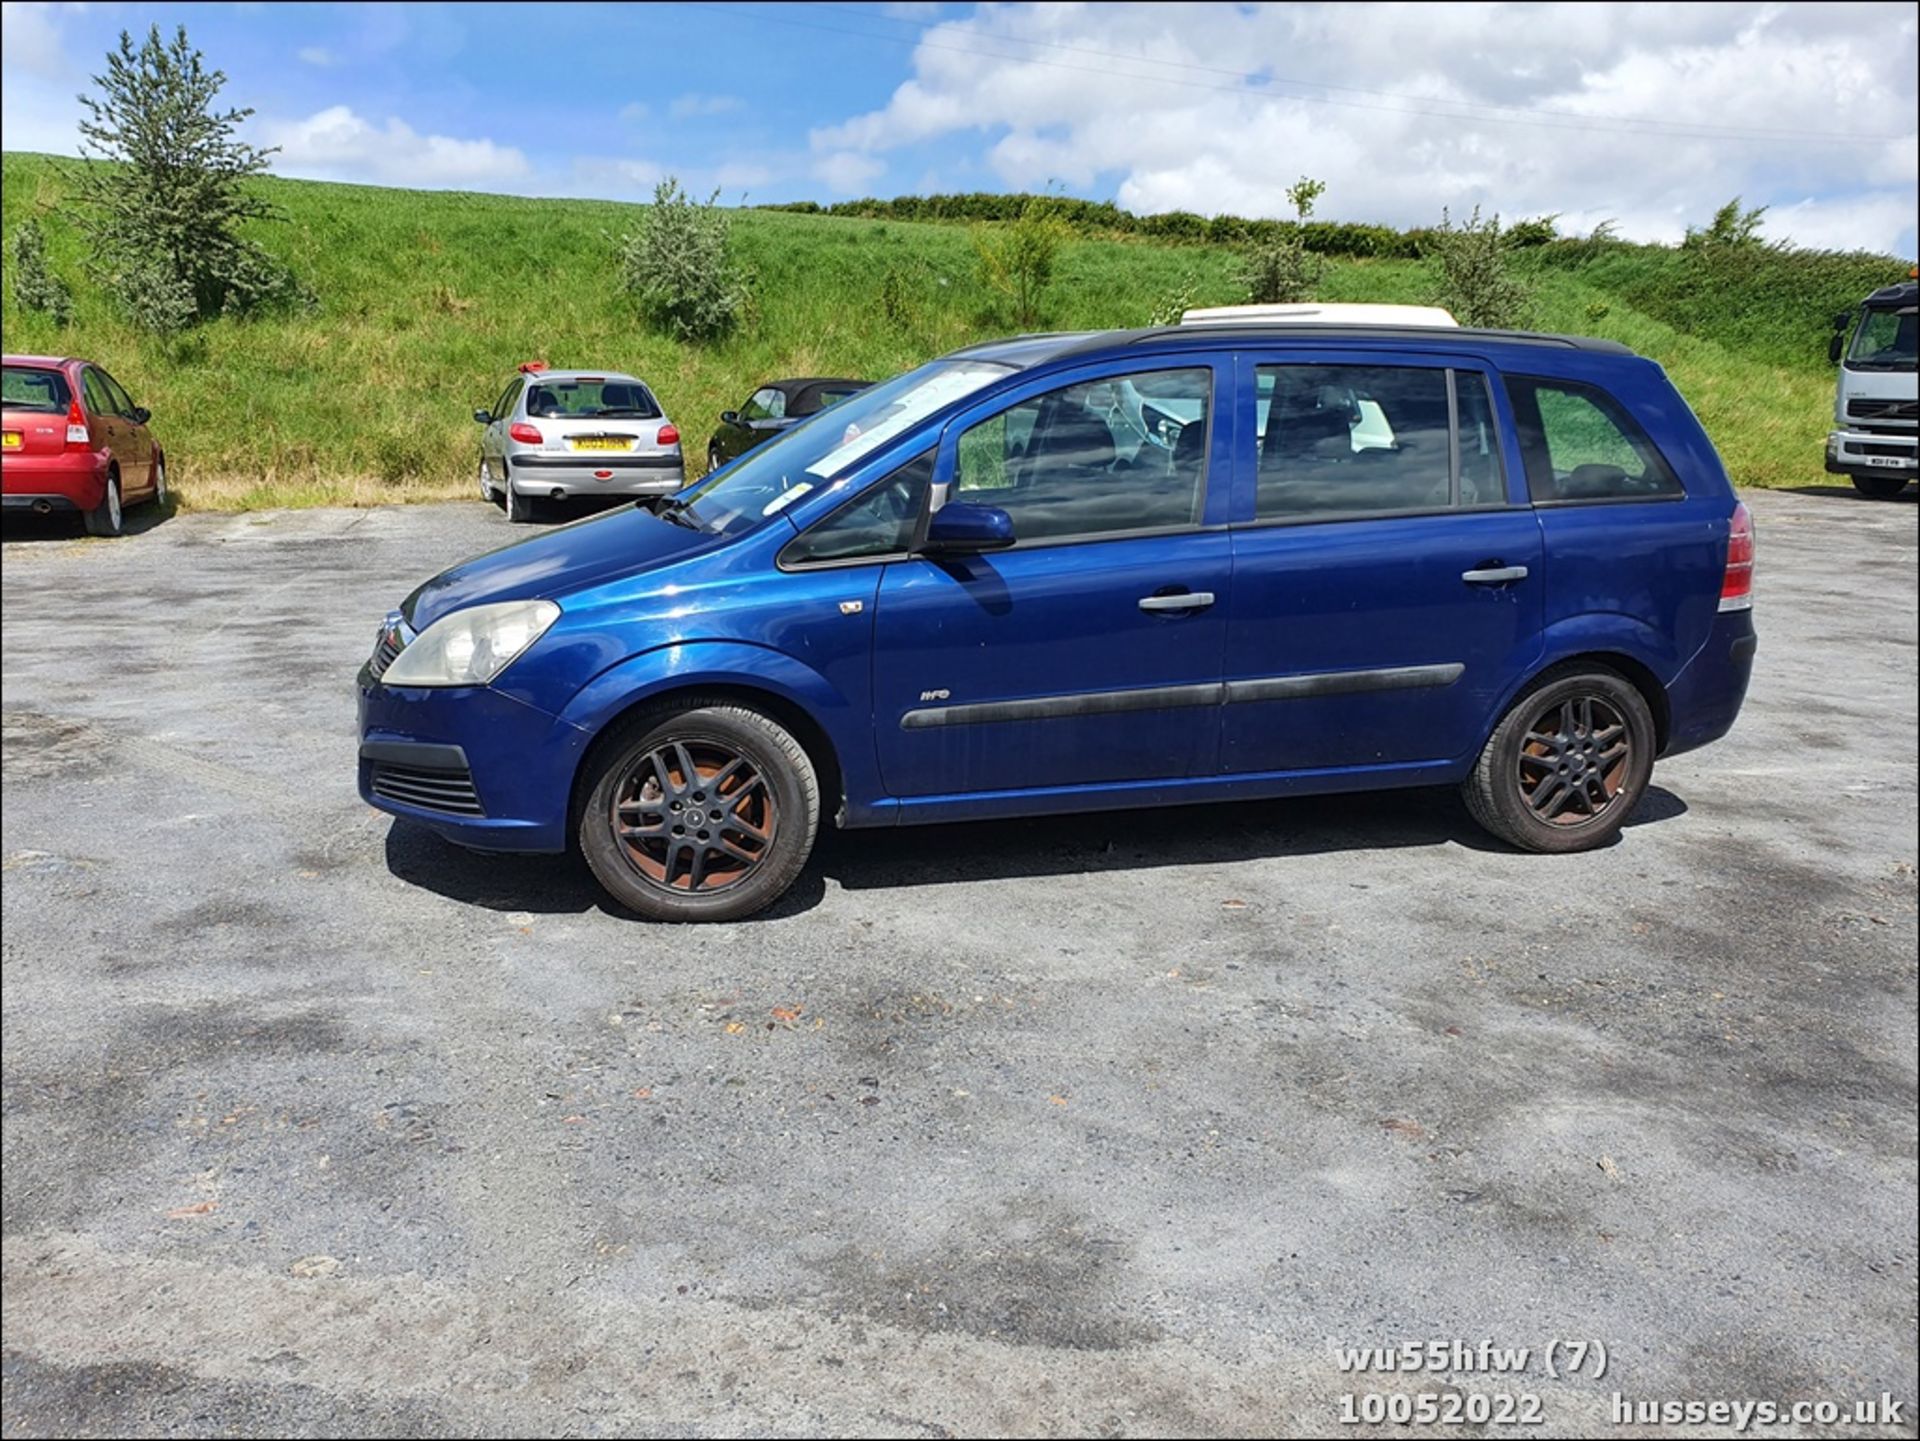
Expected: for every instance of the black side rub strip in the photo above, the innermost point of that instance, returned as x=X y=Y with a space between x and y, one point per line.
x=1175 y=697
x=1343 y=682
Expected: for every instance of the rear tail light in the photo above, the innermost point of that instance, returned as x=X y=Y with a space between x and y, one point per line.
x=77 y=432
x=669 y=434
x=1736 y=588
x=525 y=434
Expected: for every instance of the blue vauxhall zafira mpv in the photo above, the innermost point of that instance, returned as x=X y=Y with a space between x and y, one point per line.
x=1079 y=572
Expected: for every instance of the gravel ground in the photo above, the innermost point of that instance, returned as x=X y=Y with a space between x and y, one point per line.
x=1115 y=1125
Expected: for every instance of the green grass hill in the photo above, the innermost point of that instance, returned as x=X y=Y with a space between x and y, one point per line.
x=428 y=299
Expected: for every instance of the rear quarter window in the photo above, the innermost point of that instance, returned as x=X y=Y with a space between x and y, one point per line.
x=1581 y=444
x=28 y=388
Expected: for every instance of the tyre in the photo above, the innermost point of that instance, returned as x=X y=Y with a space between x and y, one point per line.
x=713 y=458
x=105 y=518
x=704 y=812
x=159 y=483
x=487 y=491
x=1880 y=487
x=519 y=507
x=1566 y=765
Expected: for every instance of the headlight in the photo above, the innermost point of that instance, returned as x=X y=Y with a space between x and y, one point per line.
x=471 y=646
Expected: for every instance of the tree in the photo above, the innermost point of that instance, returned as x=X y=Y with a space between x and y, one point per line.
x=1475 y=282
x=162 y=216
x=1017 y=260
x=679 y=265
x=1279 y=269
x=1731 y=228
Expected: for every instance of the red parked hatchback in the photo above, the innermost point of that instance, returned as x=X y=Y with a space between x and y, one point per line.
x=74 y=440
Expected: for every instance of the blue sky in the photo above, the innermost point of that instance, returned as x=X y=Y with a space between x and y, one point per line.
x=1647 y=115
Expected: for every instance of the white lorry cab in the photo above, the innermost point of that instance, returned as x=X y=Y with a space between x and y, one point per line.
x=1876 y=413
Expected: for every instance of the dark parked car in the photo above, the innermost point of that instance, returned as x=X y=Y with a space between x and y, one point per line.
x=774 y=407
x=75 y=441
x=1082 y=572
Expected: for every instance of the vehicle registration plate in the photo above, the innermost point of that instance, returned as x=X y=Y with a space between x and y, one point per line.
x=1889 y=462
x=603 y=442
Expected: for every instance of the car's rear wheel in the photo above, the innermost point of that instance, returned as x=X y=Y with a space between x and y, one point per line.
x=1880 y=487
x=105 y=519
x=704 y=812
x=519 y=507
x=1566 y=765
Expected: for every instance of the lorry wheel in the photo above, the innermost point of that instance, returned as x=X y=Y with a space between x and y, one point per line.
x=1880 y=487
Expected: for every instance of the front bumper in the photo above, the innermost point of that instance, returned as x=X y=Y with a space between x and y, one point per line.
x=475 y=766
x=535 y=473
x=71 y=480
x=1881 y=453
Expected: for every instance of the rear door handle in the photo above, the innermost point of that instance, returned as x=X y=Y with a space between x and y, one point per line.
x=1185 y=600
x=1494 y=575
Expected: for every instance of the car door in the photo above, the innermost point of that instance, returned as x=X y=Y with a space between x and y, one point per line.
x=1387 y=568
x=111 y=428
x=136 y=472
x=1089 y=653
x=493 y=438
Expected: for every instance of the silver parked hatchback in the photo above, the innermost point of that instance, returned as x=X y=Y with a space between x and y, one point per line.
x=558 y=433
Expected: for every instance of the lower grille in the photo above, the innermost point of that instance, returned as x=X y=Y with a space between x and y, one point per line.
x=1861 y=447
x=435 y=790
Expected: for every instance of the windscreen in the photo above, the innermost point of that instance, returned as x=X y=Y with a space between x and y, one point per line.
x=1884 y=341
x=819 y=450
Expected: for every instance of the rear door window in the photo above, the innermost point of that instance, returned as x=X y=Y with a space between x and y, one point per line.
x=27 y=388
x=1581 y=444
x=1339 y=440
x=99 y=402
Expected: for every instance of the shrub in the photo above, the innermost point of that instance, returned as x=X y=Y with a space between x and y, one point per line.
x=1176 y=302
x=1475 y=281
x=1279 y=269
x=31 y=283
x=1017 y=260
x=679 y=265
x=1730 y=228
x=162 y=219
x=1542 y=230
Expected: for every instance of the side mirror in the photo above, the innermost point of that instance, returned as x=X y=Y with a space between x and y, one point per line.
x=729 y=417
x=1843 y=320
x=141 y=415
x=958 y=528
x=485 y=417
x=1833 y=348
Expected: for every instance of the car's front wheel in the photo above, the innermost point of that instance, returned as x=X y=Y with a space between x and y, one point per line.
x=703 y=812
x=159 y=483
x=487 y=491
x=1880 y=487
x=105 y=519
x=1566 y=765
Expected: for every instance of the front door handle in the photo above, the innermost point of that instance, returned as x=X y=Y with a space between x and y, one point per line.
x=1494 y=575
x=1183 y=600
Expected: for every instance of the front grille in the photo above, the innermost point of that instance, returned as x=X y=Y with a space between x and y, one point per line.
x=1881 y=409
x=392 y=639
x=434 y=790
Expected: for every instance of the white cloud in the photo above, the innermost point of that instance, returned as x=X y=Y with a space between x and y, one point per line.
x=316 y=55
x=911 y=9
x=33 y=42
x=338 y=144
x=1524 y=109
x=847 y=172
x=634 y=110
x=614 y=176
x=697 y=107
